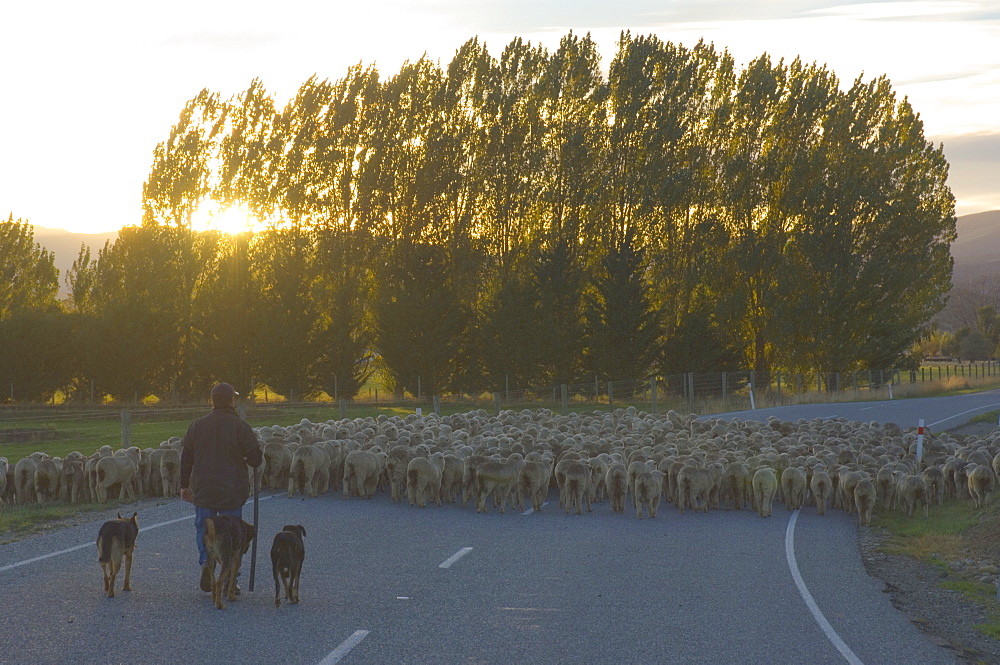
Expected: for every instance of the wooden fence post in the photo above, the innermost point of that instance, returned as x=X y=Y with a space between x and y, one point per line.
x=690 y=379
x=126 y=416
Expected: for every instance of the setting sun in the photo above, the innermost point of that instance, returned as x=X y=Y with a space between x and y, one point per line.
x=232 y=220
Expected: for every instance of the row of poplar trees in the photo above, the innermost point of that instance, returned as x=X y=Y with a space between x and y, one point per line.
x=527 y=220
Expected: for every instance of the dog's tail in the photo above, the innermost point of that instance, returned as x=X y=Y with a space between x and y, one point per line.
x=210 y=534
x=109 y=546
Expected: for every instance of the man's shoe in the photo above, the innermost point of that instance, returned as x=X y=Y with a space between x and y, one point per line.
x=206 y=578
x=237 y=589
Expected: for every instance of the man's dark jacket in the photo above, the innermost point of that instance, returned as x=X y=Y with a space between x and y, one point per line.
x=216 y=451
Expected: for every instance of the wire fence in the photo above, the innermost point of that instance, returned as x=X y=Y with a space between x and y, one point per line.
x=57 y=429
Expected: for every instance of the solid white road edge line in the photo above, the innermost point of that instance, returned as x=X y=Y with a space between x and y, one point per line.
x=978 y=408
x=80 y=547
x=455 y=557
x=345 y=647
x=824 y=625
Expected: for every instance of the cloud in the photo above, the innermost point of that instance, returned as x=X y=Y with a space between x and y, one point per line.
x=904 y=9
x=951 y=75
x=528 y=16
x=220 y=41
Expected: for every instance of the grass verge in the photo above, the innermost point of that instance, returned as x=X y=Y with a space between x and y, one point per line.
x=17 y=522
x=952 y=532
x=992 y=417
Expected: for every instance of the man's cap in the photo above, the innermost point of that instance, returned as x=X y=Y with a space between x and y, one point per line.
x=224 y=389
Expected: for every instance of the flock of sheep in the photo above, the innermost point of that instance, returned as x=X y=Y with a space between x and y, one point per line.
x=76 y=477
x=517 y=456
x=694 y=463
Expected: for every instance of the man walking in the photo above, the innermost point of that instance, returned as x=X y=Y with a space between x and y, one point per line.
x=216 y=451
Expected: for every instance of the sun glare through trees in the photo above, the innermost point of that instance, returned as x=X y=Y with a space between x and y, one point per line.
x=232 y=220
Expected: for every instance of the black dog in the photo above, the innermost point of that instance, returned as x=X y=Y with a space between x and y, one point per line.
x=287 y=554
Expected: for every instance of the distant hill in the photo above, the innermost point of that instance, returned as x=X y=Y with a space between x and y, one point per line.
x=65 y=245
x=977 y=249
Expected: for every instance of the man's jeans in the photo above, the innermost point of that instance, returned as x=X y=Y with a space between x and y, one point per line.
x=200 y=514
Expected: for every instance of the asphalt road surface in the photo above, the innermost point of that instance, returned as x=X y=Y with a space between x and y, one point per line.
x=390 y=583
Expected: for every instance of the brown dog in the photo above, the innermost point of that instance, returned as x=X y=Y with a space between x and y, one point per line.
x=287 y=553
x=227 y=539
x=115 y=541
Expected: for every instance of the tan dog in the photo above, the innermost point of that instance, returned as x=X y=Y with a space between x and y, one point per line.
x=226 y=539
x=116 y=541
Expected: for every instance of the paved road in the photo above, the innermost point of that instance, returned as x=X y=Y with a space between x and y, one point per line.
x=938 y=413
x=534 y=588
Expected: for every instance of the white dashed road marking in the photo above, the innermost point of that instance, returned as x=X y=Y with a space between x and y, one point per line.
x=531 y=510
x=345 y=647
x=455 y=557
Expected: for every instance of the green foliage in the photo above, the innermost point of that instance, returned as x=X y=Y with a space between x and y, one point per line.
x=29 y=279
x=38 y=354
x=622 y=326
x=978 y=342
x=285 y=315
x=508 y=322
x=557 y=280
x=677 y=213
x=973 y=344
x=418 y=321
x=341 y=336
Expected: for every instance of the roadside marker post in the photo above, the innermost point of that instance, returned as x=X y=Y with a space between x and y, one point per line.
x=890 y=390
x=920 y=442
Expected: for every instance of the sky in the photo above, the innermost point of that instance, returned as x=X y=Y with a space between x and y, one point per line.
x=90 y=88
